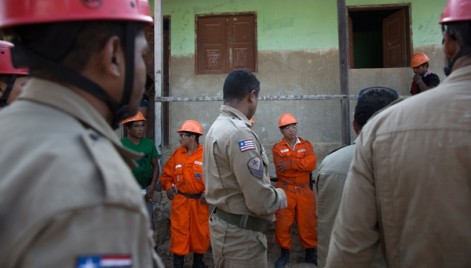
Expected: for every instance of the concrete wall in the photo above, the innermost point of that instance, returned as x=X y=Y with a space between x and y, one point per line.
x=297 y=55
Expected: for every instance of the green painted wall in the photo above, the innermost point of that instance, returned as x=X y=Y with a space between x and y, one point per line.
x=292 y=25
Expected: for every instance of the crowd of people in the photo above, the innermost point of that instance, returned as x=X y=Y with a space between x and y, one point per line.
x=400 y=196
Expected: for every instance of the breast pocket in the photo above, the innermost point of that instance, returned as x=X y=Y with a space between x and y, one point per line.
x=301 y=153
x=197 y=170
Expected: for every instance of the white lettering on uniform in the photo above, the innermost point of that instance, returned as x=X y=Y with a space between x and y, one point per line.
x=301 y=151
x=198 y=163
x=284 y=151
x=178 y=166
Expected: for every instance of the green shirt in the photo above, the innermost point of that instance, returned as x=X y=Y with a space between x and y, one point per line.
x=143 y=173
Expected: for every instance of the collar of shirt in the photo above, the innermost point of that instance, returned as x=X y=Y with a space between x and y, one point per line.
x=230 y=111
x=298 y=141
x=64 y=99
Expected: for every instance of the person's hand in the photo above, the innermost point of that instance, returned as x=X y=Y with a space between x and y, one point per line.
x=171 y=193
x=417 y=78
x=149 y=194
x=282 y=166
x=203 y=199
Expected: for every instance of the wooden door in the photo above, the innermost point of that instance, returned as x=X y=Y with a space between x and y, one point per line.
x=394 y=40
x=211 y=55
x=241 y=42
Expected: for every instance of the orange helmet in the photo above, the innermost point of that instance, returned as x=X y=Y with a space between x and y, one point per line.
x=287 y=119
x=418 y=59
x=23 y=12
x=456 y=10
x=6 y=67
x=191 y=126
x=138 y=117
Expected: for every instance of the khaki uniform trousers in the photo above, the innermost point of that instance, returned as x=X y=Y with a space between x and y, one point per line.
x=234 y=247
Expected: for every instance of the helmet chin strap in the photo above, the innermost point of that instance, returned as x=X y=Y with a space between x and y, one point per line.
x=129 y=40
x=6 y=93
x=24 y=56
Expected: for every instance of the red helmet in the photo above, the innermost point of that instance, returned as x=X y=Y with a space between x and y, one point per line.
x=456 y=10
x=6 y=67
x=191 y=126
x=286 y=119
x=418 y=59
x=23 y=12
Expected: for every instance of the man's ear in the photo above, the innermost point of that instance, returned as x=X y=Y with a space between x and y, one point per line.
x=450 y=46
x=356 y=127
x=113 y=56
x=252 y=95
x=3 y=86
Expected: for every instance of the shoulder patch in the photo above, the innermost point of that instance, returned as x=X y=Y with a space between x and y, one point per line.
x=255 y=166
x=246 y=145
x=104 y=261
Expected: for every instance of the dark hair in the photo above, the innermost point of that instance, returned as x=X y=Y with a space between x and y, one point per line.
x=197 y=136
x=370 y=100
x=461 y=32
x=5 y=78
x=71 y=43
x=238 y=84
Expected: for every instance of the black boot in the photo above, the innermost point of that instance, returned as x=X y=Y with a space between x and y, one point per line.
x=178 y=261
x=198 y=260
x=311 y=255
x=283 y=260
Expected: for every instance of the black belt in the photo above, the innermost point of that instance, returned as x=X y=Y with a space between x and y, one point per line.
x=243 y=221
x=194 y=196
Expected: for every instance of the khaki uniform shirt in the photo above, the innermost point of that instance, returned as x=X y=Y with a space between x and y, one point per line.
x=235 y=169
x=410 y=183
x=329 y=187
x=68 y=195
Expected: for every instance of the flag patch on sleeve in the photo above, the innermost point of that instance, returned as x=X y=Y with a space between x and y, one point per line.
x=104 y=261
x=245 y=145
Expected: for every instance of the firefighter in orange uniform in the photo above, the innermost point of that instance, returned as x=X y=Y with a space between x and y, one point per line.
x=294 y=160
x=182 y=178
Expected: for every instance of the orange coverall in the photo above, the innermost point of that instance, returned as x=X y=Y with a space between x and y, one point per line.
x=299 y=163
x=189 y=230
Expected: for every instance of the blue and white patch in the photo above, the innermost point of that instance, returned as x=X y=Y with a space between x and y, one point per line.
x=104 y=261
x=198 y=175
x=255 y=166
x=246 y=145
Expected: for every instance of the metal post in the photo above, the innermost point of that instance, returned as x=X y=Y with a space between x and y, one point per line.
x=343 y=66
x=158 y=69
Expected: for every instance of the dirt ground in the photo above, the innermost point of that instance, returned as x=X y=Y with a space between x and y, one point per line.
x=162 y=236
x=296 y=256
